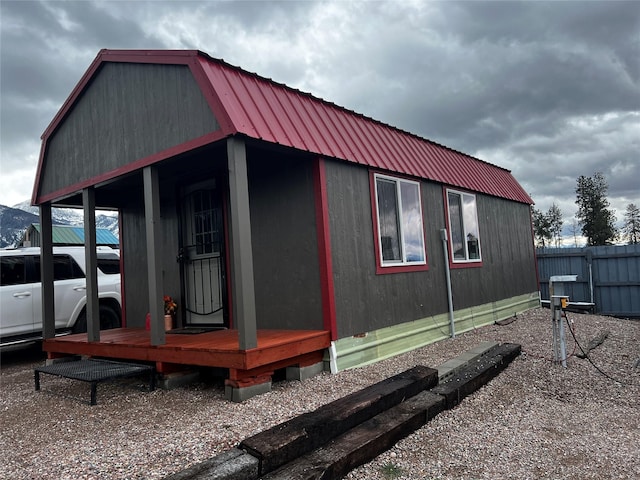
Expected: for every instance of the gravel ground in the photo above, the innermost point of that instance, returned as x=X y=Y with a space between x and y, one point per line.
x=535 y=420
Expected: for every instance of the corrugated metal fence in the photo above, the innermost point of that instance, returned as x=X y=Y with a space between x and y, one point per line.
x=607 y=276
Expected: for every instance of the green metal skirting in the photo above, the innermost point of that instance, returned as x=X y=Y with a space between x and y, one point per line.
x=387 y=342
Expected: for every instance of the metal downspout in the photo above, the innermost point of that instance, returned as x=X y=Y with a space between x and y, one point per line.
x=445 y=249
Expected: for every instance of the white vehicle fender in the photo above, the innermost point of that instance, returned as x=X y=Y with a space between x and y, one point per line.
x=83 y=302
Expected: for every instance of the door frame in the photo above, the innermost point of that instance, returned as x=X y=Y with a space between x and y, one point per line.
x=218 y=181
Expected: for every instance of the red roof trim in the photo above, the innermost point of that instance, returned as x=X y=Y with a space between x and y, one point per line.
x=36 y=185
x=131 y=167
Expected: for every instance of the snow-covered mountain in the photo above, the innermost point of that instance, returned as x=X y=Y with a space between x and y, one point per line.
x=15 y=220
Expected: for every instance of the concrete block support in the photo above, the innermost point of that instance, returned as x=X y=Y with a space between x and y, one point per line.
x=302 y=373
x=240 y=394
x=69 y=358
x=170 y=381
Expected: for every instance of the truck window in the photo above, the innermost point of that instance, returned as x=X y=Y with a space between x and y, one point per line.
x=109 y=264
x=64 y=268
x=12 y=271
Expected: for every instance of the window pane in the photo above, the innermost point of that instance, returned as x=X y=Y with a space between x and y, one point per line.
x=61 y=268
x=388 y=220
x=412 y=222
x=12 y=271
x=471 y=227
x=109 y=265
x=64 y=268
x=205 y=216
x=457 y=229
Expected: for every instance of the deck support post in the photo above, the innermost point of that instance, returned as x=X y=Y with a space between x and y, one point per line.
x=154 y=253
x=46 y=271
x=243 y=384
x=91 y=264
x=244 y=302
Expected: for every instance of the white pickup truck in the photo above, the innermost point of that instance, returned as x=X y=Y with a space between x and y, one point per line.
x=21 y=292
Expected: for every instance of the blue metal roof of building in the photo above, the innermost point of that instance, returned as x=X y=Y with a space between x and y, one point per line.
x=73 y=235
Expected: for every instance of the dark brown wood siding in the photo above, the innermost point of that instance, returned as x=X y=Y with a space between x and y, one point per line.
x=128 y=112
x=508 y=257
x=134 y=259
x=284 y=238
x=366 y=301
x=134 y=252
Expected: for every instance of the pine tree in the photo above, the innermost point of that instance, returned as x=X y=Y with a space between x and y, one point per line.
x=596 y=220
x=631 y=227
x=541 y=227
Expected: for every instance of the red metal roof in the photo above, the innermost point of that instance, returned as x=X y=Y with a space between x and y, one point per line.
x=245 y=103
x=263 y=109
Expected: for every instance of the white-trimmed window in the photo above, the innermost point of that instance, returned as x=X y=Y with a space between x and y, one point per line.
x=399 y=214
x=463 y=227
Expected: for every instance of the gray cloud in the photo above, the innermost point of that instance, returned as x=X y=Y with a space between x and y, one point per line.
x=550 y=90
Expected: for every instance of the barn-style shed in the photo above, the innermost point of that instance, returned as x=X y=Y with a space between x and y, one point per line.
x=67 y=235
x=269 y=213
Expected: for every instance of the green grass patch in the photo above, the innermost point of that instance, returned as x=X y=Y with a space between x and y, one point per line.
x=390 y=470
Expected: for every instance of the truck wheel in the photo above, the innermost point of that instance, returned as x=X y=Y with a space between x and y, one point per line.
x=109 y=318
x=81 y=323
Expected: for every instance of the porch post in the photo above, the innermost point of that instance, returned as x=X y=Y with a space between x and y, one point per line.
x=46 y=271
x=154 y=253
x=244 y=302
x=91 y=264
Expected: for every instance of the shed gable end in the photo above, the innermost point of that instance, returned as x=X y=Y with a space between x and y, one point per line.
x=129 y=111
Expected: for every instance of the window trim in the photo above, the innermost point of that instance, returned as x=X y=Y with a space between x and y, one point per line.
x=460 y=263
x=382 y=269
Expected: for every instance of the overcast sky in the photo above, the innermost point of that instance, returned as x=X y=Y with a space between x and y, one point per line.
x=550 y=91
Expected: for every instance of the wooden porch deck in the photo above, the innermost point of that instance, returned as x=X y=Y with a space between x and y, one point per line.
x=276 y=349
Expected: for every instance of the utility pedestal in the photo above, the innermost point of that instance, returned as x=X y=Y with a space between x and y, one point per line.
x=558 y=302
x=559 y=344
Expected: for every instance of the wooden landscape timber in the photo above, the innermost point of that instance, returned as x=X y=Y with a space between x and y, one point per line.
x=470 y=378
x=336 y=438
x=287 y=441
x=363 y=442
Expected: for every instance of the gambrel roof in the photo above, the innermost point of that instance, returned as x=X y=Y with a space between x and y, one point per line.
x=248 y=104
